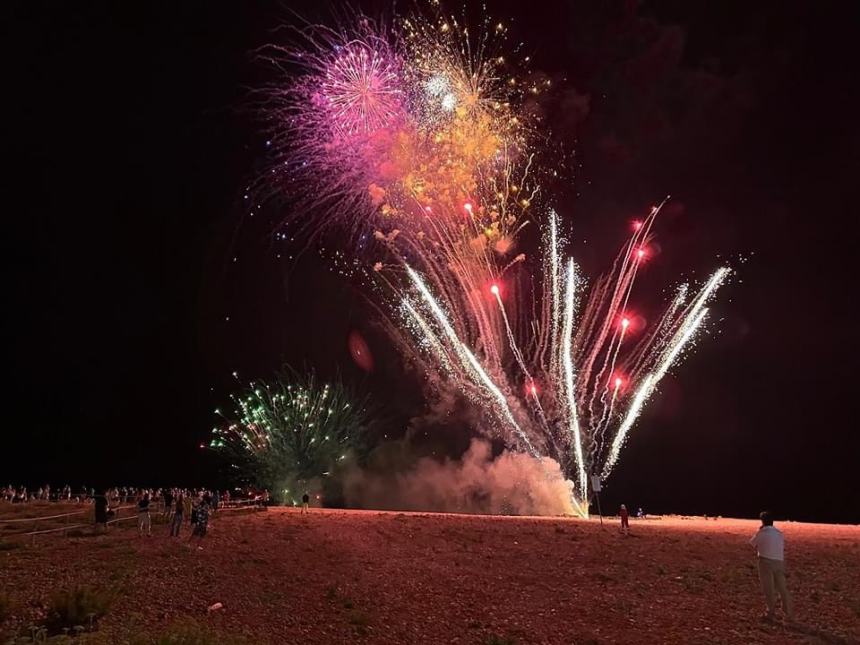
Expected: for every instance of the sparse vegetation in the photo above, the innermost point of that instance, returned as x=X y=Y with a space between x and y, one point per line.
x=190 y=632
x=79 y=607
x=359 y=618
x=5 y=606
x=495 y=639
x=368 y=585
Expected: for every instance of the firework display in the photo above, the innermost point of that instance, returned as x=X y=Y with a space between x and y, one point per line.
x=290 y=431
x=414 y=135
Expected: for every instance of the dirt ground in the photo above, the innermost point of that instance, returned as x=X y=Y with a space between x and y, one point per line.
x=372 y=577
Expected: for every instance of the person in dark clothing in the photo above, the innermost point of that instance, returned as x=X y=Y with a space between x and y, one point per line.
x=202 y=523
x=176 y=522
x=144 y=521
x=168 y=502
x=102 y=508
x=305 y=500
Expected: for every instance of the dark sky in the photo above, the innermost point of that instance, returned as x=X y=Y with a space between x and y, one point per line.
x=130 y=148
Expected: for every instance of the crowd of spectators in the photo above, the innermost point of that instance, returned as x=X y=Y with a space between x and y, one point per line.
x=115 y=496
x=175 y=506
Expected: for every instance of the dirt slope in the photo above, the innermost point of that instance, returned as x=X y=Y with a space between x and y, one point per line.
x=368 y=577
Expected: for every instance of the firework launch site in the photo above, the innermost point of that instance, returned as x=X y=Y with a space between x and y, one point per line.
x=433 y=291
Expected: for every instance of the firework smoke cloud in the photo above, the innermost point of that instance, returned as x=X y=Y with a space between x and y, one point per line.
x=413 y=135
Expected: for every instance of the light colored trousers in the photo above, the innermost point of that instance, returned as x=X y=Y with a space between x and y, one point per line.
x=144 y=522
x=772 y=576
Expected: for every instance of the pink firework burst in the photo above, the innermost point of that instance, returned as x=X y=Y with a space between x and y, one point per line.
x=361 y=89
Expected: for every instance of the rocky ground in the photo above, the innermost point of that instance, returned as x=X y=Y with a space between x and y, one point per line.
x=369 y=577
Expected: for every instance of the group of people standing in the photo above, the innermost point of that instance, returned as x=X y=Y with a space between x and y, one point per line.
x=20 y=494
x=178 y=506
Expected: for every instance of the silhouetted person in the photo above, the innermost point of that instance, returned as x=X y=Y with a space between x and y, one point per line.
x=625 y=519
x=101 y=509
x=187 y=505
x=176 y=521
x=305 y=500
x=168 y=502
x=144 y=521
x=201 y=523
x=770 y=547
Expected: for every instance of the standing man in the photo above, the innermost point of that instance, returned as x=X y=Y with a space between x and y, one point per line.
x=305 y=499
x=144 y=521
x=186 y=504
x=168 y=502
x=770 y=547
x=176 y=521
x=102 y=505
x=625 y=519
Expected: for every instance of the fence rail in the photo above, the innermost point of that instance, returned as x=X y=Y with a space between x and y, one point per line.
x=157 y=507
x=42 y=518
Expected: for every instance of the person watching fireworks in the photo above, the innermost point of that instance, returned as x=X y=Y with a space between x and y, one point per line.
x=102 y=508
x=176 y=521
x=187 y=505
x=770 y=548
x=144 y=521
x=168 y=502
x=202 y=523
x=625 y=519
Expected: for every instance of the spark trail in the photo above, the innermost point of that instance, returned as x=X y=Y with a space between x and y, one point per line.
x=413 y=136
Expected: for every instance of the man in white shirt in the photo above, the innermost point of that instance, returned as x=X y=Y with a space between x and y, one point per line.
x=770 y=546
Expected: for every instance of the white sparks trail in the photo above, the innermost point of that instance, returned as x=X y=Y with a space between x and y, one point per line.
x=583 y=405
x=414 y=141
x=570 y=388
x=470 y=359
x=692 y=322
x=503 y=402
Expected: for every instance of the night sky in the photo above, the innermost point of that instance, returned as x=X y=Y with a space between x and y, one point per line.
x=138 y=280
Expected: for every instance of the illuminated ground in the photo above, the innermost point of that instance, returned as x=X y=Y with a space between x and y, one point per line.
x=340 y=576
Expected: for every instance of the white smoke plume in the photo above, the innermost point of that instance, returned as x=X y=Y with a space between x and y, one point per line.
x=513 y=484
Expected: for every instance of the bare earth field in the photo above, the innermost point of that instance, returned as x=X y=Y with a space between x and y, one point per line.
x=371 y=577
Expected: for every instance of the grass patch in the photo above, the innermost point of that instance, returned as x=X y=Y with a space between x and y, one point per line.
x=84 y=532
x=693 y=585
x=5 y=606
x=78 y=607
x=495 y=639
x=359 y=618
x=190 y=632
